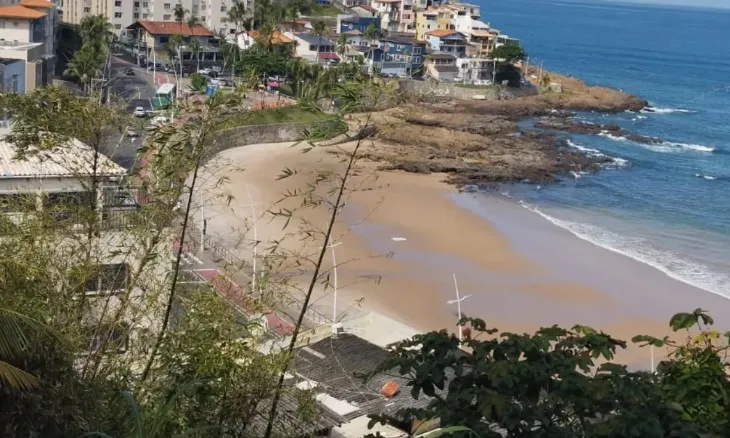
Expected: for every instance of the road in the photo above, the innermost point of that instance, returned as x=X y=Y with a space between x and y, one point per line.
x=135 y=90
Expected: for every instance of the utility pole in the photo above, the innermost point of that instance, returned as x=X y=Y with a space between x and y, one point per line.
x=458 y=301
x=332 y=247
x=255 y=239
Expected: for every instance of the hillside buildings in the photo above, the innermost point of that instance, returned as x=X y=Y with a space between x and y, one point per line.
x=148 y=40
x=213 y=14
x=27 y=46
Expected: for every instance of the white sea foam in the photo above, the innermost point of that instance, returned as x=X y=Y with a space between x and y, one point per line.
x=710 y=177
x=671 y=264
x=639 y=118
x=615 y=161
x=658 y=110
x=588 y=151
x=691 y=146
x=664 y=146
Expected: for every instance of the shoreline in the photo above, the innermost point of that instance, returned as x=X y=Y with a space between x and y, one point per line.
x=515 y=282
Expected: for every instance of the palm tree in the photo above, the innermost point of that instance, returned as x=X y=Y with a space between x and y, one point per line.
x=372 y=32
x=342 y=45
x=319 y=29
x=261 y=11
x=195 y=47
x=85 y=65
x=14 y=330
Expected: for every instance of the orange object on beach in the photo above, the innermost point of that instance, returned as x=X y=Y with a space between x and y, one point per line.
x=390 y=389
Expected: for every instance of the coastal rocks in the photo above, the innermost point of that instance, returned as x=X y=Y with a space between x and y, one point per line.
x=578 y=127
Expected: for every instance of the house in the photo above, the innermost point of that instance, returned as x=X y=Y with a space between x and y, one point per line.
x=403 y=56
x=407 y=17
x=442 y=66
x=371 y=56
x=51 y=21
x=482 y=39
x=426 y=21
x=333 y=369
x=313 y=48
x=365 y=10
x=24 y=36
x=246 y=39
x=57 y=183
x=346 y=23
x=355 y=38
x=447 y=41
x=475 y=70
x=149 y=41
x=298 y=25
x=389 y=11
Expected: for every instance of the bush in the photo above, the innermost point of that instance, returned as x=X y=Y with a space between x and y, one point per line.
x=198 y=82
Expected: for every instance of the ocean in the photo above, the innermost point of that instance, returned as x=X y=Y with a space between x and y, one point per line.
x=665 y=205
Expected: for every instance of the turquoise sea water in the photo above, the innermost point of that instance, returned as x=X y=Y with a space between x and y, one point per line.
x=665 y=205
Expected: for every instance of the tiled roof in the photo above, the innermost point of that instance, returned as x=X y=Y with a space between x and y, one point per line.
x=276 y=37
x=20 y=12
x=441 y=32
x=172 y=28
x=37 y=4
x=74 y=160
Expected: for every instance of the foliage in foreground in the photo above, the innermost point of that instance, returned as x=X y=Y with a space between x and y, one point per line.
x=561 y=383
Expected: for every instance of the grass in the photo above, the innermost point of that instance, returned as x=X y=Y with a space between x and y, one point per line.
x=290 y=114
x=324 y=11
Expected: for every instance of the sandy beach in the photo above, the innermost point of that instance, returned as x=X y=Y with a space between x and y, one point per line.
x=403 y=237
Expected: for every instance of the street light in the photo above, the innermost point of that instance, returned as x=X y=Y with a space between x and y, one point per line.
x=458 y=301
x=332 y=247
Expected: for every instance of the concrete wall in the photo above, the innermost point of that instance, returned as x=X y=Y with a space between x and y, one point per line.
x=442 y=91
x=271 y=133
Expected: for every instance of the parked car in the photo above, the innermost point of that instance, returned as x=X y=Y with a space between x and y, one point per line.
x=129 y=72
x=205 y=71
x=132 y=133
x=140 y=112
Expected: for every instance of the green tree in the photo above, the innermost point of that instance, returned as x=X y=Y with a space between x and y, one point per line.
x=342 y=45
x=319 y=29
x=198 y=82
x=559 y=382
x=509 y=54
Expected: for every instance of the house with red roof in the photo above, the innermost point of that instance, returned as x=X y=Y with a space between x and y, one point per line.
x=151 y=39
x=447 y=41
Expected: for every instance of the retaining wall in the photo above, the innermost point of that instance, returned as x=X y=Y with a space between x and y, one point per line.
x=270 y=133
x=444 y=91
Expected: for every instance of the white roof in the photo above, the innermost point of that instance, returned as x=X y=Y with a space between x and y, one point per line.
x=74 y=160
x=166 y=88
x=358 y=427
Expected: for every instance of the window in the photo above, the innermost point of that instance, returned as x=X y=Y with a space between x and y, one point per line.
x=15 y=24
x=195 y=8
x=118 y=3
x=312 y=48
x=136 y=4
x=164 y=39
x=166 y=6
x=117 y=26
x=108 y=279
x=232 y=31
x=117 y=15
x=144 y=4
x=223 y=9
x=202 y=7
x=144 y=15
x=166 y=17
x=136 y=15
x=224 y=20
x=113 y=339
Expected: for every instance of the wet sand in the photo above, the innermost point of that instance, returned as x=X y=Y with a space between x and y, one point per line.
x=402 y=238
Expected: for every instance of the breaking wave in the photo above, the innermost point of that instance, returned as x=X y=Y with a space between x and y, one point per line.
x=673 y=265
x=664 y=146
x=615 y=161
x=659 y=110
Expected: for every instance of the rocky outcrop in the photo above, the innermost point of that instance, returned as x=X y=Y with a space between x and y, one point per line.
x=579 y=127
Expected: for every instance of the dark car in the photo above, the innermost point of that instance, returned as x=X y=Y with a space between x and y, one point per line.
x=129 y=72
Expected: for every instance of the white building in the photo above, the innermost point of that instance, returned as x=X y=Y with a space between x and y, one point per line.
x=213 y=14
x=27 y=34
x=50 y=182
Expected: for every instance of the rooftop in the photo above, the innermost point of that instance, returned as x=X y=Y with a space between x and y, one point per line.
x=20 y=12
x=171 y=28
x=447 y=68
x=74 y=160
x=405 y=38
x=442 y=56
x=276 y=37
x=313 y=39
x=38 y=4
x=334 y=365
x=443 y=33
x=353 y=32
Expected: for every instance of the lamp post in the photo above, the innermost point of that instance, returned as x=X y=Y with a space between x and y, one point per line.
x=332 y=247
x=458 y=301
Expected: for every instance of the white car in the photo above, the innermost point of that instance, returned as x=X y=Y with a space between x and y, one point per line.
x=204 y=71
x=139 y=112
x=161 y=120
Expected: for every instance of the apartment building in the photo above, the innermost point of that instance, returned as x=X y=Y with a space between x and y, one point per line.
x=27 y=35
x=122 y=13
x=53 y=182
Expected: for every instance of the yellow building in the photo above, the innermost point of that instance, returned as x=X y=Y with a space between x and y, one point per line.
x=426 y=21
